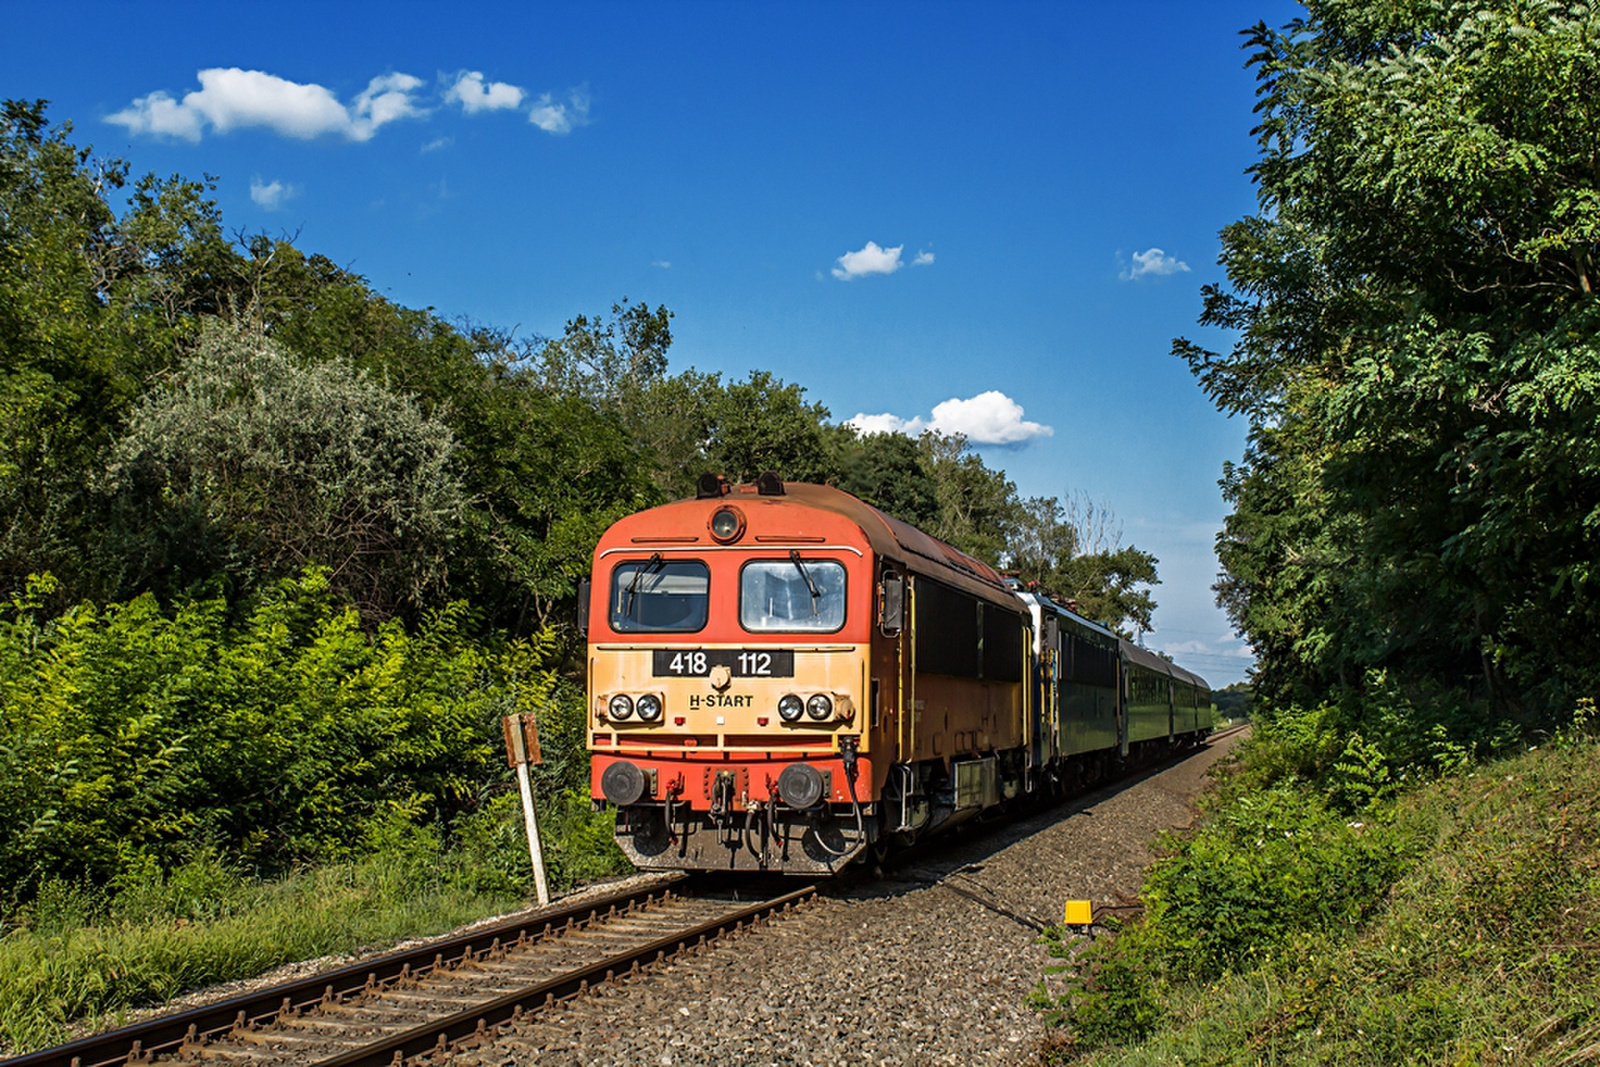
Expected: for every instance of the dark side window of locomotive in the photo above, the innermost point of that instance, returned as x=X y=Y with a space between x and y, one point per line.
x=1002 y=645
x=795 y=595
x=659 y=596
x=949 y=630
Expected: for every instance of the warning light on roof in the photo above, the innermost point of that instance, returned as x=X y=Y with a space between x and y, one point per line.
x=1079 y=913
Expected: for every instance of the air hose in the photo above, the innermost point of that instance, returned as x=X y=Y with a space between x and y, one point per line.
x=847 y=752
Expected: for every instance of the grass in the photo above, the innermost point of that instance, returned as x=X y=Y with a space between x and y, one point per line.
x=78 y=958
x=1483 y=950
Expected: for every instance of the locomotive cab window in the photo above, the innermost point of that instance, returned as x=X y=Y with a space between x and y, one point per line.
x=794 y=595
x=659 y=596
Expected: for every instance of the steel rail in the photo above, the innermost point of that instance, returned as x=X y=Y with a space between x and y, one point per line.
x=478 y=1021
x=167 y=1033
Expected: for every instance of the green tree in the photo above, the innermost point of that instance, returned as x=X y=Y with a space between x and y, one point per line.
x=890 y=472
x=762 y=424
x=609 y=360
x=978 y=506
x=1074 y=552
x=91 y=305
x=543 y=470
x=1416 y=353
x=248 y=464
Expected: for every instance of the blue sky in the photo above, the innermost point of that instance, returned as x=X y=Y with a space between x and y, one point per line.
x=898 y=206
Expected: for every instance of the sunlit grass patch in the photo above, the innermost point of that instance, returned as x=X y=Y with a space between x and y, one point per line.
x=82 y=957
x=1485 y=949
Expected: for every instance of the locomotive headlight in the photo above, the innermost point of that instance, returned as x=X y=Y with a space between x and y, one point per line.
x=789 y=708
x=649 y=707
x=819 y=707
x=727 y=524
x=621 y=706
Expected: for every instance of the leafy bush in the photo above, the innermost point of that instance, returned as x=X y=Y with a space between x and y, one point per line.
x=1267 y=871
x=249 y=463
x=1363 y=744
x=1454 y=919
x=131 y=732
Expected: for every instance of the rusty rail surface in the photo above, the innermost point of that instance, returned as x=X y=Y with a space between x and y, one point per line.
x=478 y=1023
x=168 y=1033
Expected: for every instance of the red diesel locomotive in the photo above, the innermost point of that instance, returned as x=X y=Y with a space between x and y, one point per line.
x=782 y=677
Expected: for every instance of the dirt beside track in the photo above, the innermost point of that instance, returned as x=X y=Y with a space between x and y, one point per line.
x=930 y=964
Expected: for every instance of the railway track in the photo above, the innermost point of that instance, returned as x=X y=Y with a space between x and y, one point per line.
x=458 y=990
x=409 y=1003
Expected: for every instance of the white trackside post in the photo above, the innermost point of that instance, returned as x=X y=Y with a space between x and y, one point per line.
x=522 y=748
x=531 y=820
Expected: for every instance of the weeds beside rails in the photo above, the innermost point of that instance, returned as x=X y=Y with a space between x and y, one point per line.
x=76 y=958
x=1456 y=922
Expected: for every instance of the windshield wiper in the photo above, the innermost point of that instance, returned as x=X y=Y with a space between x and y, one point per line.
x=816 y=594
x=633 y=586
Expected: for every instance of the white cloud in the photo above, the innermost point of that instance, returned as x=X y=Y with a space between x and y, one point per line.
x=230 y=98
x=438 y=143
x=161 y=115
x=867 y=425
x=990 y=418
x=557 y=118
x=474 y=95
x=924 y=259
x=869 y=260
x=1154 y=261
x=272 y=196
x=385 y=99
x=664 y=264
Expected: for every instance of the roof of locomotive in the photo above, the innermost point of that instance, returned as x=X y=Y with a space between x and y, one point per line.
x=888 y=536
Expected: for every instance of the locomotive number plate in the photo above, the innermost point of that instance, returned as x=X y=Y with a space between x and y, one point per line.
x=743 y=662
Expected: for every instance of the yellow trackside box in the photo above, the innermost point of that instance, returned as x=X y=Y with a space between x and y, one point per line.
x=1079 y=913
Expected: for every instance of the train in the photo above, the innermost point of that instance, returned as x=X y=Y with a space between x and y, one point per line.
x=782 y=678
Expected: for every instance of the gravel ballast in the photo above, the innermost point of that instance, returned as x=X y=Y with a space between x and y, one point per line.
x=931 y=964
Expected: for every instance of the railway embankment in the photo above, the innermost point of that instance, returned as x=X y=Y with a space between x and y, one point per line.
x=929 y=962
x=1451 y=920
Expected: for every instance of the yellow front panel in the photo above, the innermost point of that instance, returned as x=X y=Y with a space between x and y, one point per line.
x=724 y=711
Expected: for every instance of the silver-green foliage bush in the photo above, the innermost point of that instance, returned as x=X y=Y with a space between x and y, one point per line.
x=249 y=462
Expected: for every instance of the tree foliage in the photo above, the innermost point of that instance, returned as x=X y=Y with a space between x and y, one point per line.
x=1075 y=552
x=1417 y=353
x=246 y=463
x=91 y=303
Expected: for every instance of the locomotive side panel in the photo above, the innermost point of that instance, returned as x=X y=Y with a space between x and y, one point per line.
x=970 y=663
